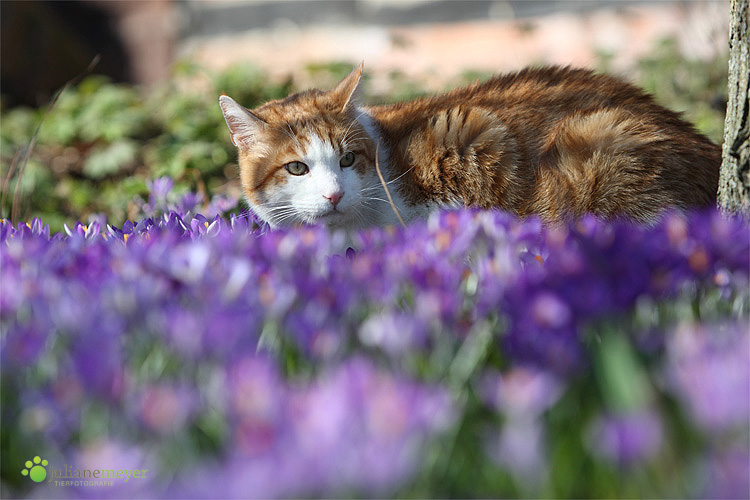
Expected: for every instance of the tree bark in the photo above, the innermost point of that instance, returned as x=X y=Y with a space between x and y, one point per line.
x=734 y=178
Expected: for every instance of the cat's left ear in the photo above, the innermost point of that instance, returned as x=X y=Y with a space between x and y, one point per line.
x=346 y=91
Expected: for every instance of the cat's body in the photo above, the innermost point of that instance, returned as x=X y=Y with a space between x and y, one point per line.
x=556 y=142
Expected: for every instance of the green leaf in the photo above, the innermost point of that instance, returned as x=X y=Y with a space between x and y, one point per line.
x=111 y=159
x=623 y=381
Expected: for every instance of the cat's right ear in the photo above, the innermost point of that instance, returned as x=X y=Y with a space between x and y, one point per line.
x=345 y=92
x=243 y=125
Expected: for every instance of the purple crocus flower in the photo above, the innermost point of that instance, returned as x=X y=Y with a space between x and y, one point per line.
x=353 y=429
x=726 y=473
x=520 y=396
x=251 y=345
x=709 y=368
x=626 y=438
x=166 y=408
x=523 y=392
x=519 y=447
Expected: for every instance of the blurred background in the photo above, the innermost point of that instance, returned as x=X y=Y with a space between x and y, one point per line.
x=44 y=44
x=148 y=106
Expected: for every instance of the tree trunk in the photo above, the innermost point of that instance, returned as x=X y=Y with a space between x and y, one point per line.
x=734 y=178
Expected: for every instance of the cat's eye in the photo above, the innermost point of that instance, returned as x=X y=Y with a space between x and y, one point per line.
x=347 y=160
x=296 y=168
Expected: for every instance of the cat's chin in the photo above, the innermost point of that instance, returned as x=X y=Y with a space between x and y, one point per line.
x=333 y=219
x=346 y=219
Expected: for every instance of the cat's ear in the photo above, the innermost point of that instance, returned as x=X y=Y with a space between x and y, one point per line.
x=346 y=91
x=243 y=124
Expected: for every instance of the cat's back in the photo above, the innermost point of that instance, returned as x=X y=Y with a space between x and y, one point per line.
x=577 y=88
x=555 y=141
x=537 y=96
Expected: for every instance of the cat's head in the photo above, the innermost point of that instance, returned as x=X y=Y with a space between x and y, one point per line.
x=306 y=158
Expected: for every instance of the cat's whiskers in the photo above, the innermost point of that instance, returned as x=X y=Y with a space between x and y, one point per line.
x=300 y=212
x=349 y=128
x=369 y=189
x=363 y=212
x=359 y=134
x=401 y=175
x=282 y=218
x=292 y=136
x=353 y=139
x=357 y=137
x=360 y=213
x=357 y=214
x=280 y=213
x=373 y=198
x=378 y=185
x=354 y=121
x=367 y=203
x=269 y=206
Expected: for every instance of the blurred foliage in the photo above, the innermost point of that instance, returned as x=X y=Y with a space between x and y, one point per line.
x=696 y=88
x=101 y=141
x=330 y=73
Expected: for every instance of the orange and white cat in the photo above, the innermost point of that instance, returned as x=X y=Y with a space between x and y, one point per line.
x=556 y=142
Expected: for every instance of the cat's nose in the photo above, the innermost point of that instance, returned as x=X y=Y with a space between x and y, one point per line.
x=334 y=198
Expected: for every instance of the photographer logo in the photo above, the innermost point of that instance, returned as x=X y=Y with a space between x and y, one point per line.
x=35 y=469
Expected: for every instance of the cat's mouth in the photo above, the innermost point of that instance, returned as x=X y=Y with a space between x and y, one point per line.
x=331 y=214
x=331 y=217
